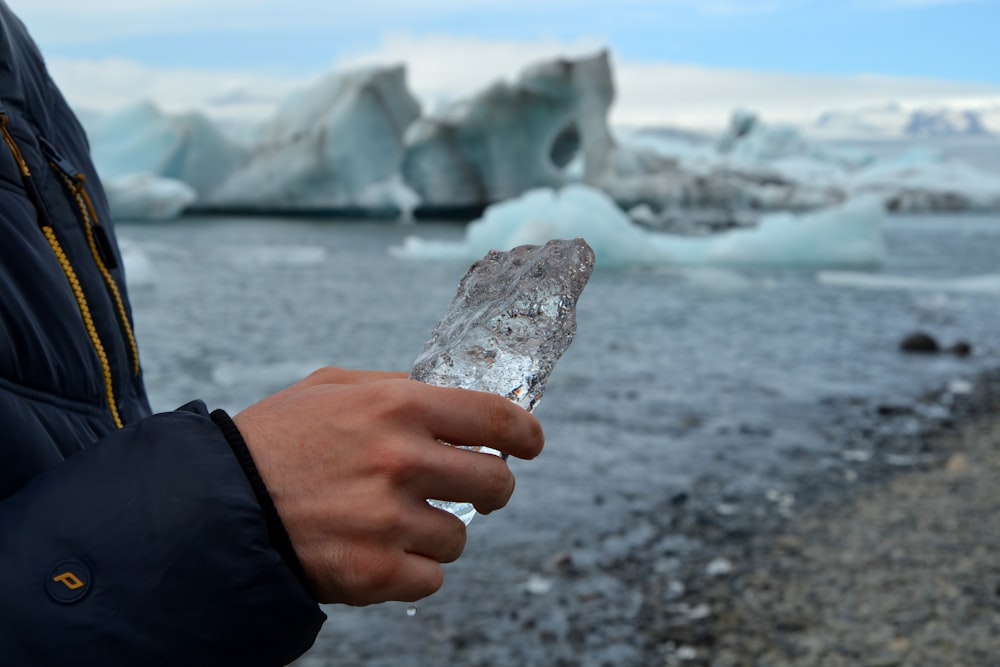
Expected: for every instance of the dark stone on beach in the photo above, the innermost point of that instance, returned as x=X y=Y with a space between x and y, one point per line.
x=961 y=349
x=888 y=410
x=920 y=343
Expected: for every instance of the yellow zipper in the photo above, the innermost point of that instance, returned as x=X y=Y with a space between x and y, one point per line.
x=67 y=268
x=89 y=216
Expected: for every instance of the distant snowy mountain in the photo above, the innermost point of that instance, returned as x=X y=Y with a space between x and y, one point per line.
x=893 y=121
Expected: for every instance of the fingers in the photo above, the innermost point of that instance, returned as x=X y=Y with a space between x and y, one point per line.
x=457 y=416
x=373 y=575
x=472 y=419
x=435 y=534
x=397 y=556
x=463 y=476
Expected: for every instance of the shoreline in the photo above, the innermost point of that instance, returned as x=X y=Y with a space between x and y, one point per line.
x=900 y=570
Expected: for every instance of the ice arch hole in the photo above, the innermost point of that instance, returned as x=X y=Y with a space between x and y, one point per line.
x=566 y=146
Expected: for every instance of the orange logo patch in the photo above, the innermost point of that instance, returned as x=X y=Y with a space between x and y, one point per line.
x=69 y=580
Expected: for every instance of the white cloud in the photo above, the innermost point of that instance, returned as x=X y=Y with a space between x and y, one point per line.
x=695 y=96
x=103 y=85
x=441 y=68
x=446 y=68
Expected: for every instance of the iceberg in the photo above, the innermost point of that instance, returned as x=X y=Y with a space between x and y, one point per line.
x=141 y=139
x=513 y=137
x=338 y=144
x=356 y=141
x=924 y=180
x=845 y=236
x=984 y=284
x=754 y=165
x=147 y=197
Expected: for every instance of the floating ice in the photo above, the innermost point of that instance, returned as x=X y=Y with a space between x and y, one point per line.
x=337 y=144
x=985 y=284
x=275 y=256
x=511 y=320
x=138 y=266
x=849 y=235
x=147 y=197
x=924 y=180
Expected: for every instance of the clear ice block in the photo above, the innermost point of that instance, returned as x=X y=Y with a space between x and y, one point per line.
x=511 y=320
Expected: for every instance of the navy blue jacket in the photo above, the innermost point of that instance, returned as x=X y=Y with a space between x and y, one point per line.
x=125 y=538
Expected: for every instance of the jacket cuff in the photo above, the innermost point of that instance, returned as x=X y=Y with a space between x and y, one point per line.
x=275 y=528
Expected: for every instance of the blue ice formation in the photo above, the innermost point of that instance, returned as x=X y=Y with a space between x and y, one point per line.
x=846 y=236
x=358 y=140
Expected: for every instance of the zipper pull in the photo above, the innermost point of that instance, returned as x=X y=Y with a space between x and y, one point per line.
x=57 y=160
x=75 y=182
x=104 y=246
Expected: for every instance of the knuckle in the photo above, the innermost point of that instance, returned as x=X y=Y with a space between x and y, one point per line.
x=500 y=418
x=369 y=577
x=396 y=461
x=324 y=375
x=392 y=400
x=379 y=576
x=383 y=518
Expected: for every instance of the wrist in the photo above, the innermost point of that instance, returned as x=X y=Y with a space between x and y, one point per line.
x=277 y=534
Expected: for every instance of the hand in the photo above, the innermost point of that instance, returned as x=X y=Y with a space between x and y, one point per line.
x=350 y=458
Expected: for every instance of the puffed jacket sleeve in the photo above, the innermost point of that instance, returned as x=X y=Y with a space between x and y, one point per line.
x=151 y=547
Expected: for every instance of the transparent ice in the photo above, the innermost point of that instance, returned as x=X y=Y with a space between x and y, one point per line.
x=511 y=320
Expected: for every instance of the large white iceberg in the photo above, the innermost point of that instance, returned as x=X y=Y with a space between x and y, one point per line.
x=847 y=236
x=512 y=137
x=142 y=139
x=338 y=144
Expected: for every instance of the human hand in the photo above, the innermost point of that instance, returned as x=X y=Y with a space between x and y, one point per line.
x=350 y=459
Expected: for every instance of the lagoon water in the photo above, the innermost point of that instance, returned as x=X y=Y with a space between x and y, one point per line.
x=746 y=376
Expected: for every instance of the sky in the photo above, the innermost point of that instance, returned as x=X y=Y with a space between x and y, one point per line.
x=684 y=62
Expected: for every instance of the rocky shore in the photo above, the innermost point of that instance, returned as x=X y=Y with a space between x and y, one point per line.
x=907 y=574
x=902 y=571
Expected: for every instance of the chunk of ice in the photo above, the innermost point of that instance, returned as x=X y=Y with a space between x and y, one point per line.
x=511 y=320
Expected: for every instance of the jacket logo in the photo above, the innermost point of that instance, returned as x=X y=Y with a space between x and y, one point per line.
x=69 y=580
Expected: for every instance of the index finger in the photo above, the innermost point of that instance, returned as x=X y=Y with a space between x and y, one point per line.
x=470 y=418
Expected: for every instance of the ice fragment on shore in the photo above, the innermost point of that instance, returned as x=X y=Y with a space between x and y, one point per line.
x=719 y=567
x=511 y=320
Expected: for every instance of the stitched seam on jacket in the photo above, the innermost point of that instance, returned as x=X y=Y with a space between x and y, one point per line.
x=80 y=407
